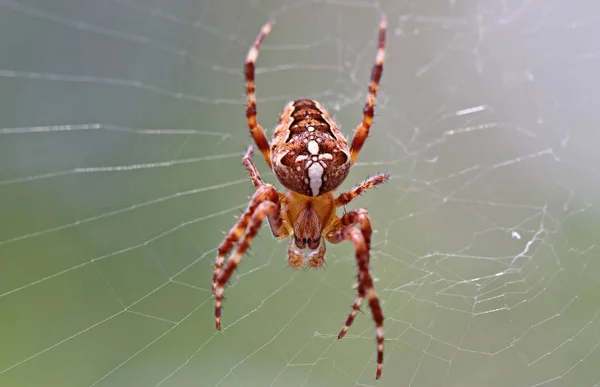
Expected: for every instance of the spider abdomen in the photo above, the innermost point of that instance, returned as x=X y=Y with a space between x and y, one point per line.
x=309 y=154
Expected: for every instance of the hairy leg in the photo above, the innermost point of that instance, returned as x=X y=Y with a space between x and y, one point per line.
x=348 y=196
x=263 y=194
x=251 y=168
x=238 y=229
x=362 y=131
x=264 y=209
x=256 y=130
x=361 y=238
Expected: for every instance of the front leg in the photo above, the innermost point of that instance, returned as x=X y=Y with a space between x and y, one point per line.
x=362 y=131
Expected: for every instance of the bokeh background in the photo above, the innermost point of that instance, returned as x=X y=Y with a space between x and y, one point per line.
x=121 y=133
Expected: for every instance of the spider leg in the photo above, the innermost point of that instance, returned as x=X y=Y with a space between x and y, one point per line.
x=344 y=229
x=230 y=240
x=257 y=132
x=348 y=196
x=264 y=193
x=355 y=308
x=362 y=131
x=238 y=229
x=351 y=218
x=264 y=203
x=251 y=168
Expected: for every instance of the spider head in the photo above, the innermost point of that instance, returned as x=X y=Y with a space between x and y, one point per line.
x=309 y=154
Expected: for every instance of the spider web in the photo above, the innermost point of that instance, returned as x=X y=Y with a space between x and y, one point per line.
x=121 y=133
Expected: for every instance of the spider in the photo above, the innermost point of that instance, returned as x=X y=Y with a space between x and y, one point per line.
x=310 y=157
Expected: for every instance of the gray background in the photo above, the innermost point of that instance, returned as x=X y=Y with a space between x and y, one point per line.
x=121 y=133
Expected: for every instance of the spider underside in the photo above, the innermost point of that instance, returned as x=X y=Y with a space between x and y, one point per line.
x=310 y=157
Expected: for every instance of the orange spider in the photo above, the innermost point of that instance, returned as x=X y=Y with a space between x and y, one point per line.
x=310 y=157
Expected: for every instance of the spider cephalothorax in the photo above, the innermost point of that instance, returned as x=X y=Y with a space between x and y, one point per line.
x=310 y=157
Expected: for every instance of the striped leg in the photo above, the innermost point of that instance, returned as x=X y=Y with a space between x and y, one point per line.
x=362 y=131
x=230 y=240
x=236 y=231
x=266 y=193
x=348 y=196
x=251 y=168
x=257 y=132
x=263 y=208
x=355 y=308
x=361 y=238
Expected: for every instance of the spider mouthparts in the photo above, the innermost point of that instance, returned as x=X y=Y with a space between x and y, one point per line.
x=313 y=258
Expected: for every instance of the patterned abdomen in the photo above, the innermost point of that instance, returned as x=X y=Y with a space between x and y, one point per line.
x=309 y=153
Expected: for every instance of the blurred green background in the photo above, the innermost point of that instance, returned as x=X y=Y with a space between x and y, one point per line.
x=121 y=133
